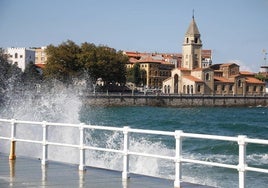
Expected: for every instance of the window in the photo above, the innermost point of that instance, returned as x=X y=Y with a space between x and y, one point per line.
x=187 y=40
x=255 y=88
x=207 y=77
x=239 y=83
x=198 y=88
x=21 y=56
x=16 y=55
x=195 y=40
x=223 y=87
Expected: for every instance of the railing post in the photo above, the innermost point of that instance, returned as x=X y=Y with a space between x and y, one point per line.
x=45 y=146
x=125 y=173
x=242 y=160
x=178 y=149
x=82 y=149
x=12 y=155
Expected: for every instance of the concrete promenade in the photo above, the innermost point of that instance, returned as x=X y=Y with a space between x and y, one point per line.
x=26 y=172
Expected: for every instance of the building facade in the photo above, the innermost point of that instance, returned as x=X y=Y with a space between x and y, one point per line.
x=197 y=75
x=40 y=56
x=155 y=68
x=20 y=56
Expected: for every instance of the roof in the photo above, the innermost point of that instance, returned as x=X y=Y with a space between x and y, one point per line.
x=252 y=80
x=246 y=73
x=192 y=78
x=192 y=29
x=222 y=79
x=40 y=65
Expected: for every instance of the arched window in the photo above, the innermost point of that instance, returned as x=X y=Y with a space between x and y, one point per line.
x=239 y=83
x=187 y=40
x=16 y=55
x=198 y=88
x=176 y=83
x=207 y=77
x=188 y=89
x=192 y=89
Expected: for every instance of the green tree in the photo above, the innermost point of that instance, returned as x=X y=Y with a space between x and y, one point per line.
x=136 y=75
x=69 y=60
x=62 y=63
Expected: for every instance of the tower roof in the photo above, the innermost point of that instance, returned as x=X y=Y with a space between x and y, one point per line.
x=193 y=29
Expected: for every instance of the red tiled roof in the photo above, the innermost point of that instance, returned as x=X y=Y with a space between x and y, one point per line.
x=192 y=78
x=40 y=65
x=253 y=80
x=246 y=73
x=222 y=79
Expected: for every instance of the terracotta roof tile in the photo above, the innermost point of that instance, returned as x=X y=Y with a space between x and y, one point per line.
x=192 y=78
x=222 y=79
x=253 y=80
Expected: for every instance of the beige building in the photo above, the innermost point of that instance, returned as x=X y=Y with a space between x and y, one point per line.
x=196 y=76
x=156 y=69
x=40 y=56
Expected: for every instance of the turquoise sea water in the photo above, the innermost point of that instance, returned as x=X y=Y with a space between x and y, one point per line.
x=252 y=122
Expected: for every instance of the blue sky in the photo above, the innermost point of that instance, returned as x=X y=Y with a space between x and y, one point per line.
x=236 y=30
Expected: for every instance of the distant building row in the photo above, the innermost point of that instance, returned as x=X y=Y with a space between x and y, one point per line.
x=191 y=72
x=23 y=56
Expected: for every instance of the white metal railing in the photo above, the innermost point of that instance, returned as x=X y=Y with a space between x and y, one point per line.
x=242 y=141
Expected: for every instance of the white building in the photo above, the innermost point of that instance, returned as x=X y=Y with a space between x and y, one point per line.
x=20 y=56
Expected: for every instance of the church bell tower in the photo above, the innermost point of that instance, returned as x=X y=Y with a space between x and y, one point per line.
x=192 y=47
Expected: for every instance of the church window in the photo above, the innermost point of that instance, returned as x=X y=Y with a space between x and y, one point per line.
x=198 y=88
x=231 y=88
x=187 y=40
x=254 y=88
x=207 y=77
x=195 y=40
x=239 y=83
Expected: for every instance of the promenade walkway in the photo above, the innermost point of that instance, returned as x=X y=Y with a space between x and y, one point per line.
x=26 y=172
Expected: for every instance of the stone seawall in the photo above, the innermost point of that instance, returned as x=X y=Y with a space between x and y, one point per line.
x=175 y=101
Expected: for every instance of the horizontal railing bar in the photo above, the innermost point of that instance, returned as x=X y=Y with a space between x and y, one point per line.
x=103 y=128
x=256 y=141
x=253 y=169
x=210 y=137
x=151 y=155
x=209 y=163
x=60 y=144
x=29 y=141
x=103 y=149
x=5 y=138
x=28 y=122
x=6 y=120
x=166 y=133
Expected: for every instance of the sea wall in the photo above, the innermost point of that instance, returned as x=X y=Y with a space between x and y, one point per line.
x=175 y=100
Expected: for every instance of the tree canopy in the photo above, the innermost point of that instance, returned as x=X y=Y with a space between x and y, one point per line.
x=68 y=61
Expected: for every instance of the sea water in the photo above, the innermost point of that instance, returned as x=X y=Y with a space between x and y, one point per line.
x=64 y=105
x=249 y=121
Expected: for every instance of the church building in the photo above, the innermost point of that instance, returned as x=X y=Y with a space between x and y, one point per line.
x=196 y=76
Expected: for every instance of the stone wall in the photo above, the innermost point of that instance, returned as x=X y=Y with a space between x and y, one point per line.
x=175 y=101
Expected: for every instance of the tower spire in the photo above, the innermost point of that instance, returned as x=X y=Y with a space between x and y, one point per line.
x=193 y=14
